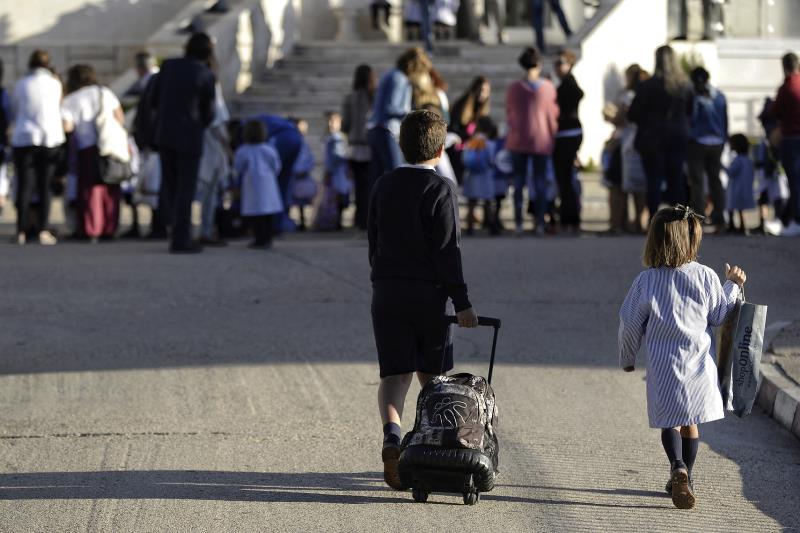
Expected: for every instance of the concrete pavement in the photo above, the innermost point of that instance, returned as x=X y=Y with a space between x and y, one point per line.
x=235 y=391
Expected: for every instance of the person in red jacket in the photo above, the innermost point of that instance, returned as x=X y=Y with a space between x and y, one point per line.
x=787 y=110
x=532 y=117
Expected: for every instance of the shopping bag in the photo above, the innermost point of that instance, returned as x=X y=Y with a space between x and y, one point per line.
x=741 y=343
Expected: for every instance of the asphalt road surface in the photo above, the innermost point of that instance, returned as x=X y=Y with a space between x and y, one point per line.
x=235 y=391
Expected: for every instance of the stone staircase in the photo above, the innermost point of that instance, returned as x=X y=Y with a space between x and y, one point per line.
x=317 y=75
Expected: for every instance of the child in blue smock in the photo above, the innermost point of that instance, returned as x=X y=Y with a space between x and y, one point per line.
x=304 y=186
x=257 y=165
x=741 y=174
x=336 y=196
x=478 y=157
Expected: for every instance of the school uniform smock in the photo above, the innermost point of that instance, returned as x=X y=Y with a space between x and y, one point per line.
x=741 y=175
x=336 y=165
x=257 y=167
x=673 y=310
x=478 y=156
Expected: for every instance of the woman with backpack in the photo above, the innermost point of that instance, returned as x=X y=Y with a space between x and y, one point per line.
x=86 y=101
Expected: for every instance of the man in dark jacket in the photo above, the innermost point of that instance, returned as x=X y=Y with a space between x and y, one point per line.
x=787 y=110
x=413 y=231
x=184 y=102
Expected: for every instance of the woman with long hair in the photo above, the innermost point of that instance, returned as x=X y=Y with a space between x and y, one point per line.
x=98 y=202
x=355 y=114
x=661 y=111
x=392 y=104
x=470 y=106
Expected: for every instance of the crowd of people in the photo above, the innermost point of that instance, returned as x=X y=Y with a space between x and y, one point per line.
x=257 y=175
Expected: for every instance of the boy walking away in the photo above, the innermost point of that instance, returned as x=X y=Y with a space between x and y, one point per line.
x=257 y=166
x=414 y=252
x=673 y=306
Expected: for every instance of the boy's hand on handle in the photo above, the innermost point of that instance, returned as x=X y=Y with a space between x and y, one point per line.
x=735 y=274
x=467 y=318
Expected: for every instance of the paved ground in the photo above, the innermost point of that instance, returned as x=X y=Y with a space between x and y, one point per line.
x=234 y=391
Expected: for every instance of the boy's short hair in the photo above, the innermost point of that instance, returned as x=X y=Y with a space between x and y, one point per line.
x=254 y=132
x=422 y=135
x=330 y=114
x=673 y=238
x=739 y=144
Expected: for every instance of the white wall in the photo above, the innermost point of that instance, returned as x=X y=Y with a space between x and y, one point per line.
x=44 y=22
x=627 y=33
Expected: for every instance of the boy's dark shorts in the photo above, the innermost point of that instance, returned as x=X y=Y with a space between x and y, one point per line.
x=410 y=332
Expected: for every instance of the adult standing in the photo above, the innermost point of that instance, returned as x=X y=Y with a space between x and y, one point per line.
x=355 y=114
x=532 y=116
x=787 y=110
x=661 y=111
x=37 y=138
x=464 y=115
x=537 y=20
x=568 y=141
x=707 y=137
x=495 y=9
x=392 y=104
x=98 y=202
x=471 y=106
x=466 y=22
x=184 y=95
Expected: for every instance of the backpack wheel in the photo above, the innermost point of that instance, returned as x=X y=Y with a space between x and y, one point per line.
x=419 y=495
x=471 y=498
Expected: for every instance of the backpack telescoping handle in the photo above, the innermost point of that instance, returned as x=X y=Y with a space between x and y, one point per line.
x=485 y=321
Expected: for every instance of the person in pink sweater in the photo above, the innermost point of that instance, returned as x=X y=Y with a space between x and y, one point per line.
x=532 y=117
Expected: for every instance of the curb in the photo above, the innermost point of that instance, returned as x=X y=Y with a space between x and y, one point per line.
x=779 y=396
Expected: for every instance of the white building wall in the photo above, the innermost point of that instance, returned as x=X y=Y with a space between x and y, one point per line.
x=617 y=41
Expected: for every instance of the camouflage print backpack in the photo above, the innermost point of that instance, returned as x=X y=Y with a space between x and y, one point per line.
x=457 y=411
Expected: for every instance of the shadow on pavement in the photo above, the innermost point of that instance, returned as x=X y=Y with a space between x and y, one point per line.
x=337 y=488
x=543 y=501
x=617 y=492
x=769 y=468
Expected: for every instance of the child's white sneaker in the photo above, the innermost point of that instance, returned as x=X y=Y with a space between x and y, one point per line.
x=47 y=239
x=773 y=227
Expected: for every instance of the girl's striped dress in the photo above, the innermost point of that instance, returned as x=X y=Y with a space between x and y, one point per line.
x=674 y=310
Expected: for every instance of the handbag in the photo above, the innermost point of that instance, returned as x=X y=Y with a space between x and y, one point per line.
x=112 y=144
x=741 y=344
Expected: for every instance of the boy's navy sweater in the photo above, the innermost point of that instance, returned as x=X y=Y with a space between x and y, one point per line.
x=413 y=231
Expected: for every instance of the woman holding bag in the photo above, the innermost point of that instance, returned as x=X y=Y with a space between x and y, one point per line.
x=81 y=110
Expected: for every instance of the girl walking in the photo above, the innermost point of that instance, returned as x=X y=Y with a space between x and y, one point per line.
x=479 y=153
x=672 y=306
x=257 y=166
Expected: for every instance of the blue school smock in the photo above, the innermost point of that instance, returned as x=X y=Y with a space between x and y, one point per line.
x=740 y=184
x=257 y=167
x=336 y=164
x=478 y=169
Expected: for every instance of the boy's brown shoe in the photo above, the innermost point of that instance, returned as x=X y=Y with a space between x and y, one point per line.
x=682 y=495
x=391 y=457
